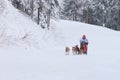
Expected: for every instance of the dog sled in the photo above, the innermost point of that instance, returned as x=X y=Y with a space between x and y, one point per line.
x=83 y=49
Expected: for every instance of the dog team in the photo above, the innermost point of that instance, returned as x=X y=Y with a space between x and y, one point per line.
x=78 y=50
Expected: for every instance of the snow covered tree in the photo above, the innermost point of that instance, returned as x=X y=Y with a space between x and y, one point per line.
x=70 y=9
x=76 y=9
x=32 y=7
x=46 y=10
x=2 y=6
x=16 y=3
x=51 y=7
x=106 y=13
x=87 y=16
x=40 y=10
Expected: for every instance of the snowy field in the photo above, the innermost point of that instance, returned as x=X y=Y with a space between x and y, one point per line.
x=29 y=53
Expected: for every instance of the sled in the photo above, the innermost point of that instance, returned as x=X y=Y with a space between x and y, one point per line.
x=83 y=49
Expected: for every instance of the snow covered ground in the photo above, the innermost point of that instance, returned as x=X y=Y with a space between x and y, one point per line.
x=29 y=53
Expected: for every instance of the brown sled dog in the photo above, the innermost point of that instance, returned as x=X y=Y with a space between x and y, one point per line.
x=67 y=50
x=75 y=50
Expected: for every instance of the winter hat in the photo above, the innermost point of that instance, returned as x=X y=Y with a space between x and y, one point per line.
x=83 y=37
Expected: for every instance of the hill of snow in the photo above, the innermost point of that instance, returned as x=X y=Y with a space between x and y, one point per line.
x=42 y=56
x=17 y=29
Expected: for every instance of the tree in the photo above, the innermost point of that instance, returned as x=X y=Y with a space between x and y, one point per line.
x=76 y=9
x=70 y=9
x=50 y=7
x=32 y=7
x=40 y=10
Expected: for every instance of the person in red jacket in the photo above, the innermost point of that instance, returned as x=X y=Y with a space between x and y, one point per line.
x=83 y=44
